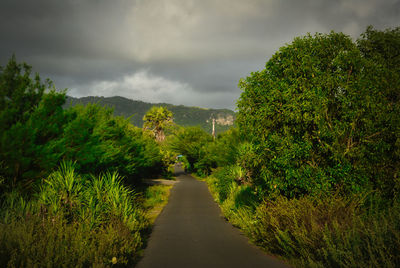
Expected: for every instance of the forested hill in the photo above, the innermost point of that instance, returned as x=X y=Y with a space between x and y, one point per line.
x=183 y=115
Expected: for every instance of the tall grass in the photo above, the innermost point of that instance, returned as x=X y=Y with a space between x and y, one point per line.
x=156 y=195
x=328 y=231
x=155 y=198
x=52 y=242
x=332 y=232
x=72 y=221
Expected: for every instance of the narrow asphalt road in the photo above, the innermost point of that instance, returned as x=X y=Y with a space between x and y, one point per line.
x=190 y=232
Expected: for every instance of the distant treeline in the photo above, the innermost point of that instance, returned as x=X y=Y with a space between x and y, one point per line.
x=135 y=110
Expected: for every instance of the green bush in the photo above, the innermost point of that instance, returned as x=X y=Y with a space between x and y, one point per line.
x=71 y=218
x=92 y=201
x=231 y=181
x=222 y=183
x=224 y=149
x=202 y=153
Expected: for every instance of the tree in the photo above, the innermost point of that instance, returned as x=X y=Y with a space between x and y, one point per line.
x=320 y=116
x=29 y=119
x=157 y=119
x=382 y=48
x=19 y=93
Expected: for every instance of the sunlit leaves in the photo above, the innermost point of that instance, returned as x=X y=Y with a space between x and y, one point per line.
x=157 y=119
x=321 y=112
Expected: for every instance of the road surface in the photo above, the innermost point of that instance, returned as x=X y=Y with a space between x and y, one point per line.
x=190 y=232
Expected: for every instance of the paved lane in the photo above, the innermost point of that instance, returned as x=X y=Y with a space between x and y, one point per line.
x=190 y=232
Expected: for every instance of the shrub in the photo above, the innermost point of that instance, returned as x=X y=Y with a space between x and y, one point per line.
x=93 y=201
x=223 y=183
x=333 y=232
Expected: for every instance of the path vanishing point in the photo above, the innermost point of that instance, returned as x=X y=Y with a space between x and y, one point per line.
x=191 y=232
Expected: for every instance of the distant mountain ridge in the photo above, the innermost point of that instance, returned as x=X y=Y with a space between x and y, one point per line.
x=183 y=115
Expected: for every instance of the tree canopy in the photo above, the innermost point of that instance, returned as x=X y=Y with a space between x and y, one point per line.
x=36 y=133
x=324 y=114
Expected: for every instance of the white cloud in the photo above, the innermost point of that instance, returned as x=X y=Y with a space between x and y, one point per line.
x=140 y=85
x=148 y=87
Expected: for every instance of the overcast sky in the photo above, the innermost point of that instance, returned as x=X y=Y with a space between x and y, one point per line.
x=176 y=51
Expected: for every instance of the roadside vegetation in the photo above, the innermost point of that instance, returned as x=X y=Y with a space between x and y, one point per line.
x=70 y=179
x=155 y=199
x=311 y=173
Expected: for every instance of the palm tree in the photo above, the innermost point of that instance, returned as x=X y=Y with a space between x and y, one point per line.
x=156 y=120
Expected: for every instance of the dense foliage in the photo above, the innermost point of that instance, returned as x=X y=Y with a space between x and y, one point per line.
x=99 y=141
x=72 y=220
x=36 y=134
x=324 y=114
x=313 y=174
x=64 y=176
x=310 y=174
x=201 y=153
x=190 y=142
x=328 y=231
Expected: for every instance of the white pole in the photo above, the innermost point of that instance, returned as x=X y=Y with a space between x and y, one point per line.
x=213 y=128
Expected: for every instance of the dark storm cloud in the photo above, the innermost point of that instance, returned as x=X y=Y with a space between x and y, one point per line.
x=59 y=28
x=180 y=51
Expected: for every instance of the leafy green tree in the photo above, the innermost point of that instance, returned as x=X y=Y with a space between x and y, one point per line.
x=19 y=93
x=157 y=119
x=321 y=116
x=29 y=119
x=382 y=48
x=36 y=134
x=98 y=141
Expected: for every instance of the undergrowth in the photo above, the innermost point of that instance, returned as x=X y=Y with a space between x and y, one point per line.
x=52 y=242
x=155 y=198
x=75 y=221
x=328 y=231
x=156 y=195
